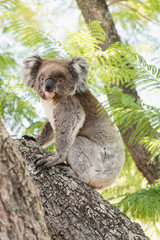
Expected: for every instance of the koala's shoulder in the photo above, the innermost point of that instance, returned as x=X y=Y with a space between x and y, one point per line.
x=87 y=98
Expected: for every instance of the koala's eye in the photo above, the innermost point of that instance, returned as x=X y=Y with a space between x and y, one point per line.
x=60 y=80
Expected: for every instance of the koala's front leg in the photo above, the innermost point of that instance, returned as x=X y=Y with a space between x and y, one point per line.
x=68 y=118
x=46 y=136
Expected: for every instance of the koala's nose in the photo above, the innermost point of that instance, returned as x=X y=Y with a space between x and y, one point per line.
x=49 y=85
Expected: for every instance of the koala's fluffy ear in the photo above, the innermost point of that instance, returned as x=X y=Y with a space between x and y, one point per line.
x=30 y=70
x=79 y=70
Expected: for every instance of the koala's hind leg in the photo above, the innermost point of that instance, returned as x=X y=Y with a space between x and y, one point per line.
x=93 y=164
x=82 y=159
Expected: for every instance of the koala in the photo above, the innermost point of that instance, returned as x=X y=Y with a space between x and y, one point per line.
x=85 y=139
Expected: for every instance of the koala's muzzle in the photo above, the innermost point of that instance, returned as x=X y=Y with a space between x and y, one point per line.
x=50 y=84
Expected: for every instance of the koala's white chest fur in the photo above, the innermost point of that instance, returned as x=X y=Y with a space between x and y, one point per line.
x=48 y=108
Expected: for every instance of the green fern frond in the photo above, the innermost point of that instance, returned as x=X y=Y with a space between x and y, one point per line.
x=83 y=43
x=9 y=5
x=97 y=31
x=15 y=109
x=33 y=37
x=144 y=205
x=6 y=61
x=135 y=14
x=3 y=62
x=148 y=75
x=125 y=65
x=126 y=112
x=152 y=145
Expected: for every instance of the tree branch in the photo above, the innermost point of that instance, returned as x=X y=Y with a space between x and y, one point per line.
x=133 y=9
x=115 y=1
x=21 y=212
x=72 y=209
x=119 y=2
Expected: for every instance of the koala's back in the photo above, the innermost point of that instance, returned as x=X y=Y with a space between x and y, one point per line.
x=97 y=127
x=98 y=150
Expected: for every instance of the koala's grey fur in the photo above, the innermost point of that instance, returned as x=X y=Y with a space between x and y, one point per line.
x=87 y=141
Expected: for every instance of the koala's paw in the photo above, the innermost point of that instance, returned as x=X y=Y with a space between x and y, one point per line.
x=47 y=162
x=29 y=138
x=68 y=171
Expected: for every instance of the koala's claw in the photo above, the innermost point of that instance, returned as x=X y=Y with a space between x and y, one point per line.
x=29 y=138
x=67 y=171
x=47 y=162
x=40 y=162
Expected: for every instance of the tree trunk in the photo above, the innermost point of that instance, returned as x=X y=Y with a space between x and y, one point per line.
x=74 y=211
x=98 y=10
x=21 y=212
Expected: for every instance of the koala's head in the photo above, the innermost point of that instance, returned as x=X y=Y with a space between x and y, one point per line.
x=55 y=78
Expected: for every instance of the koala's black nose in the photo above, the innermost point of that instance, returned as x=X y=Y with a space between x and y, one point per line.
x=49 y=85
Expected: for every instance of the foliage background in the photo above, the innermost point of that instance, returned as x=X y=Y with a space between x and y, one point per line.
x=57 y=29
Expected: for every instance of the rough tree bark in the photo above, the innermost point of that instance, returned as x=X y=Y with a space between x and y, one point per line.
x=98 y=10
x=74 y=211
x=21 y=212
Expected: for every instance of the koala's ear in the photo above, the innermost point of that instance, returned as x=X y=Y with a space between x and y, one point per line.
x=78 y=68
x=30 y=70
